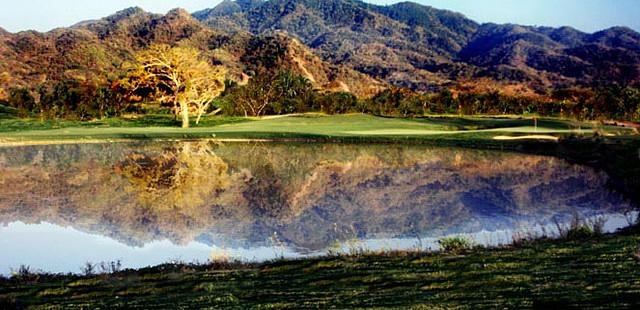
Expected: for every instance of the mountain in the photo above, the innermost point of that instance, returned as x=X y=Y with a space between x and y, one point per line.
x=405 y=44
x=344 y=45
x=93 y=52
x=554 y=56
x=408 y=44
x=278 y=50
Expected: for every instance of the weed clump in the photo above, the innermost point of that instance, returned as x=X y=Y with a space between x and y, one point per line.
x=455 y=245
x=581 y=229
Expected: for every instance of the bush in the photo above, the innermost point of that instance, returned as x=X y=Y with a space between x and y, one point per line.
x=24 y=274
x=22 y=100
x=455 y=244
x=337 y=103
x=580 y=228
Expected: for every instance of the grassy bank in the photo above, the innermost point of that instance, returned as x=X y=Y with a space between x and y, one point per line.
x=599 y=273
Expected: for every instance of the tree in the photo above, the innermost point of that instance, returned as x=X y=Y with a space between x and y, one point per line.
x=181 y=77
x=204 y=90
x=254 y=98
x=182 y=177
x=294 y=93
x=5 y=79
x=336 y=103
x=21 y=99
x=63 y=100
x=105 y=102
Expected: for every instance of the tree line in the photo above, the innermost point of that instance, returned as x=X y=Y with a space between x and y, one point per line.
x=179 y=79
x=286 y=92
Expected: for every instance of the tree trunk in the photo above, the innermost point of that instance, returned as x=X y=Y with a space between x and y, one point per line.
x=185 y=115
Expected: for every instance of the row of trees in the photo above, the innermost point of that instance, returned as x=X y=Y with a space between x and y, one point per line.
x=290 y=93
x=180 y=79
x=177 y=77
x=68 y=99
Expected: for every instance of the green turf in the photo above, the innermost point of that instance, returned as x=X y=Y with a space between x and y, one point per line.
x=600 y=273
x=296 y=126
x=8 y=125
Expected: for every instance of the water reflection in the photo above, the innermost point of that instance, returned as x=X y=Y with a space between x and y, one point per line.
x=303 y=197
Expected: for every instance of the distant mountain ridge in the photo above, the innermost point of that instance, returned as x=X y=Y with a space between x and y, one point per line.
x=338 y=44
x=409 y=44
x=93 y=52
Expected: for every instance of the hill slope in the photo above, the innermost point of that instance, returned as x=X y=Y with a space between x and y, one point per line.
x=343 y=45
x=93 y=52
x=388 y=43
x=408 y=44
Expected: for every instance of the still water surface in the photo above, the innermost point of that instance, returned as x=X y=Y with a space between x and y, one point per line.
x=149 y=203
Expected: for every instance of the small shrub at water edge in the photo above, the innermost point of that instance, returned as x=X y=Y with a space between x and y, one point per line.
x=455 y=244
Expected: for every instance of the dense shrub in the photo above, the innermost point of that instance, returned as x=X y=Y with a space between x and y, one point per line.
x=22 y=100
x=68 y=99
x=337 y=103
x=455 y=244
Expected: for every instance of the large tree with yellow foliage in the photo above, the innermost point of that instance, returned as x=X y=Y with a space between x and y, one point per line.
x=179 y=76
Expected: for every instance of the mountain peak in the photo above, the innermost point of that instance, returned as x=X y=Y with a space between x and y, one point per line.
x=179 y=12
x=180 y=16
x=620 y=29
x=227 y=8
x=617 y=31
x=617 y=37
x=249 y=4
x=126 y=13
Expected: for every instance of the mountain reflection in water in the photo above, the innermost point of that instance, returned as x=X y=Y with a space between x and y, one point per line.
x=304 y=197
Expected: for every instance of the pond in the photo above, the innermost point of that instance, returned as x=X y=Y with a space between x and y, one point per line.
x=148 y=203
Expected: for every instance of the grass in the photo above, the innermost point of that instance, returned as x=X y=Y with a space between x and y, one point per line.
x=600 y=272
x=308 y=126
x=15 y=125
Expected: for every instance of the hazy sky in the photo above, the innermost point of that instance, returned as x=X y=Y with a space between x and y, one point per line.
x=586 y=15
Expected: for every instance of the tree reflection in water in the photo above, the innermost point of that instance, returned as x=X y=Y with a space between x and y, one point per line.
x=310 y=195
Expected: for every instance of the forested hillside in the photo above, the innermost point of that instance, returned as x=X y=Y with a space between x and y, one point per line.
x=406 y=58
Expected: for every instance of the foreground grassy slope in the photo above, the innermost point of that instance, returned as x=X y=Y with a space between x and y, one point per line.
x=296 y=126
x=598 y=273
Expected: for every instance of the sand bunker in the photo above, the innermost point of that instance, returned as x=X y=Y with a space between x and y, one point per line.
x=529 y=137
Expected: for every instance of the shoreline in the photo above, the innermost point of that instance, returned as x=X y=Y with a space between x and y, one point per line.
x=5 y=144
x=522 y=275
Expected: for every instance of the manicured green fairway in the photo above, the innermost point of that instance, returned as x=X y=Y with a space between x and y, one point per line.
x=295 y=126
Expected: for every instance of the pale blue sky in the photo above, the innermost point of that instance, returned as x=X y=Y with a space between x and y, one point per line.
x=586 y=15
